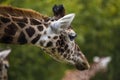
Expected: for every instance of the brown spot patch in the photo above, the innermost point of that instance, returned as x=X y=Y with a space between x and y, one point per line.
x=40 y=28
x=34 y=22
x=53 y=50
x=61 y=50
x=66 y=47
x=58 y=42
x=36 y=39
x=11 y=29
x=4 y=19
x=49 y=37
x=45 y=32
x=21 y=24
x=49 y=44
x=64 y=55
x=6 y=39
x=5 y=77
x=55 y=37
x=30 y=31
x=68 y=51
x=22 y=39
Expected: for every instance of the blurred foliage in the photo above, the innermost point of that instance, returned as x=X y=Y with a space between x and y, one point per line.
x=97 y=24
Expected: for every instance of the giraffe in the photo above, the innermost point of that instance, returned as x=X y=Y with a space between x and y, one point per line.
x=99 y=65
x=4 y=64
x=56 y=37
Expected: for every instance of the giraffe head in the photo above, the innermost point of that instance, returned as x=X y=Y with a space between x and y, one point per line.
x=102 y=62
x=58 y=41
x=3 y=54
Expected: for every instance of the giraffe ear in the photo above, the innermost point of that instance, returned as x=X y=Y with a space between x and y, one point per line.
x=62 y=23
x=4 y=53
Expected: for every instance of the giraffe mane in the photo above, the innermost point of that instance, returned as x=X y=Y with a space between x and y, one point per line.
x=14 y=11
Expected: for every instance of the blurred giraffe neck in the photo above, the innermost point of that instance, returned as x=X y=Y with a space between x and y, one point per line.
x=95 y=68
x=3 y=70
x=99 y=65
x=4 y=64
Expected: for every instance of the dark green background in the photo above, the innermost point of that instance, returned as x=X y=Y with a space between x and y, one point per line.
x=97 y=24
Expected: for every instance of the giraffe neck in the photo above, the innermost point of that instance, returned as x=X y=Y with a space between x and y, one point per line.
x=3 y=71
x=21 y=30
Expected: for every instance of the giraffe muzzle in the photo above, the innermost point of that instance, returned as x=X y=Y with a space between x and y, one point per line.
x=82 y=66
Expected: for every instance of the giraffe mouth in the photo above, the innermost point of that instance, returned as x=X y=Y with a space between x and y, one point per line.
x=82 y=66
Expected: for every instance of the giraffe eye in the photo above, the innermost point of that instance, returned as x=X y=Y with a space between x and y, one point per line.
x=72 y=37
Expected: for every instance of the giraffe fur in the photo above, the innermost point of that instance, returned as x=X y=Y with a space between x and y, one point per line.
x=23 y=26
